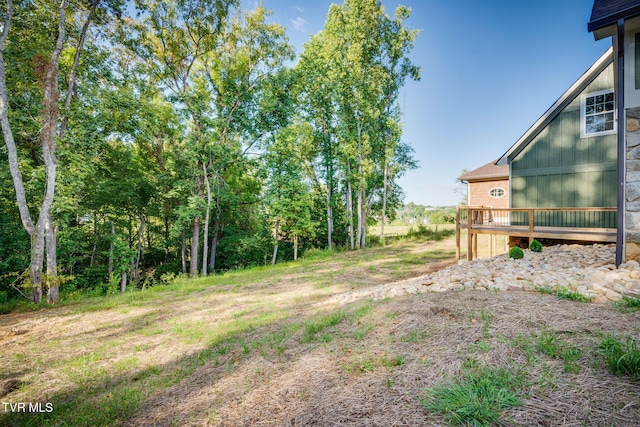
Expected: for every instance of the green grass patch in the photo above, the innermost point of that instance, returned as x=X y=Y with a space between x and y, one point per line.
x=552 y=345
x=563 y=293
x=622 y=355
x=478 y=397
x=628 y=304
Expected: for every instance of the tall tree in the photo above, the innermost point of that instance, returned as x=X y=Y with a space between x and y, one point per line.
x=363 y=54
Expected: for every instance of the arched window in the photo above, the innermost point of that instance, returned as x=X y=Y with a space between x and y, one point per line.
x=497 y=192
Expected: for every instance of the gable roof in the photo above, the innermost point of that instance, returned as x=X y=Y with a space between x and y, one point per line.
x=566 y=98
x=607 y=12
x=488 y=172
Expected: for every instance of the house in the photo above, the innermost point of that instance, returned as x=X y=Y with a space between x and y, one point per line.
x=578 y=165
x=488 y=185
x=620 y=20
x=568 y=157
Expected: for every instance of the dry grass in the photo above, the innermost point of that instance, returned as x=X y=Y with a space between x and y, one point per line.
x=264 y=352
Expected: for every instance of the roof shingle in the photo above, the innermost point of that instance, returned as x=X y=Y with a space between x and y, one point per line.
x=607 y=12
x=487 y=172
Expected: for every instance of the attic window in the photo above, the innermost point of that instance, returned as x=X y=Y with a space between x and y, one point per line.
x=497 y=192
x=597 y=113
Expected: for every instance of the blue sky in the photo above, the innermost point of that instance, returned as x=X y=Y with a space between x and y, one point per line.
x=490 y=68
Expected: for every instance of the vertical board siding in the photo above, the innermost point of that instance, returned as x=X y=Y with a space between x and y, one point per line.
x=560 y=169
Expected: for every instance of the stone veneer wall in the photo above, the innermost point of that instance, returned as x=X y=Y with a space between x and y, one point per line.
x=632 y=185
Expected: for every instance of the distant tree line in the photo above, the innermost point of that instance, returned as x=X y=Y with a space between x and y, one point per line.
x=147 y=139
x=412 y=214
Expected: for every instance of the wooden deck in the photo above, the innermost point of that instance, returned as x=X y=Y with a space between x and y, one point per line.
x=581 y=224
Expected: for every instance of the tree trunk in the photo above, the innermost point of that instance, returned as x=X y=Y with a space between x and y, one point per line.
x=74 y=69
x=295 y=247
x=123 y=281
x=275 y=247
x=49 y=119
x=183 y=250
x=360 y=189
x=205 y=239
x=37 y=260
x=384 y=196
x=113 y=239
x=53 y=292
x=329 y=218
x=135 y=273
x=95 y=242
x=48 y=135
x=350 y=212
x=195 y=239
x=214 y=245
x=195 y=246
x=363 y=234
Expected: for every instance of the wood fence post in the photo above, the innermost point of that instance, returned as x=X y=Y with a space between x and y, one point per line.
x=531 y=226
x=457 y=233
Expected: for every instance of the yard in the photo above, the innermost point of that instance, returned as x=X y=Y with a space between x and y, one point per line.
x=259 y=347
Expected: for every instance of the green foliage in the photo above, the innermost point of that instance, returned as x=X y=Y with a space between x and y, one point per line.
x=549 y=344
x=477 y=397
x=427 y=233
x=443 y=217
x=564 y=293
x=628 y=304
x=623 y=355
x=535 y=246
x=516 y=253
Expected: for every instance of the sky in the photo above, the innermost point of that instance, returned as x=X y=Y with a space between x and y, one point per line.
x=490 y=69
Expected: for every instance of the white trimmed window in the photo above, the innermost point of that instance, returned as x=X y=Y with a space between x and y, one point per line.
x=597 y=113
x=497 y=192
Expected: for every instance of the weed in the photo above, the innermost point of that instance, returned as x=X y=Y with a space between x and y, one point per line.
x=390 y=362
x=476 y=398
x=564 y=293
x=623 y=356
x=415 y=336
x=628 y=304
x=548 y=344
x=313 y=327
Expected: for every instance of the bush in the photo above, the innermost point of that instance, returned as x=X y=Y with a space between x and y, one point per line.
x=535 y=246
x=516 y=253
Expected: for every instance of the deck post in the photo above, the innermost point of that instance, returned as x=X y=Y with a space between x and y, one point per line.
x=457 y=233
x=530 y=226
x=469 y=234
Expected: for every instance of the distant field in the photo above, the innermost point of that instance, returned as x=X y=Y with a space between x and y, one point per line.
x=487 y=245
x=400 y=230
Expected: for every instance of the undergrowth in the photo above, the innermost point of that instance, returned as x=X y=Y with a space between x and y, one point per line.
x=476 y=398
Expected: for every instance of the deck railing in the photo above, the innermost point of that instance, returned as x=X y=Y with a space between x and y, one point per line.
x=587 y=224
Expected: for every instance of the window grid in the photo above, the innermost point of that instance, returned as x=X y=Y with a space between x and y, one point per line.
x=598 y=110
x=497 y=192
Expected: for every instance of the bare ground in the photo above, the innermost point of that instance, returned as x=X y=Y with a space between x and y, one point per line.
x=371 y=368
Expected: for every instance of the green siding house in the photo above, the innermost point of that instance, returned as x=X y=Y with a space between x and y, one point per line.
x=568 y=157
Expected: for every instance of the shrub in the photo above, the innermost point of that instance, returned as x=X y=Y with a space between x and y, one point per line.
x=535 y=246
x=516 y=253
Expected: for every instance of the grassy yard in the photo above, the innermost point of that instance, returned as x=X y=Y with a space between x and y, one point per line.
x=260 y=347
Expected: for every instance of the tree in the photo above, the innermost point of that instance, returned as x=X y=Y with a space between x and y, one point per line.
x=288 y=195
x=362 y=54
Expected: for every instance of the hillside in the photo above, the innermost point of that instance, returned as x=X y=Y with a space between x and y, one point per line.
x=261 y=347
